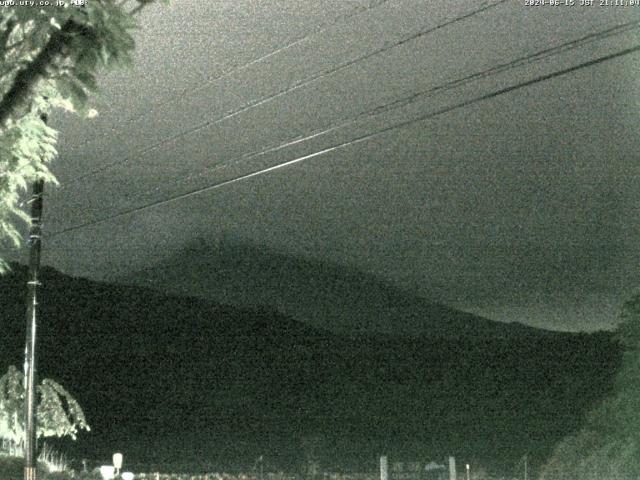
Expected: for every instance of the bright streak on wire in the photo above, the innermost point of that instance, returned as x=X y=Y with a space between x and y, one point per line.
x=357 y=140
x=207 y=189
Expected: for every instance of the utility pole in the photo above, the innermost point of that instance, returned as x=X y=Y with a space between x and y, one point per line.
x=30 y=446
x=384 y=467
x=452 y=468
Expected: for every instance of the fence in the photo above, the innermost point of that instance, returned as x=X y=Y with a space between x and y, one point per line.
x=409 y=471
x=265 y=476
x=9 y=447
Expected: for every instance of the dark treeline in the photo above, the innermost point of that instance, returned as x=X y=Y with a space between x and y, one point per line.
x=168 y=379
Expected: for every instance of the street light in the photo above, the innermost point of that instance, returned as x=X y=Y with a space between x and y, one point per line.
x=107 y=472
x=117 y=462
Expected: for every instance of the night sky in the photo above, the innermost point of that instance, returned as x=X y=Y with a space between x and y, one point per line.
x=520 y=207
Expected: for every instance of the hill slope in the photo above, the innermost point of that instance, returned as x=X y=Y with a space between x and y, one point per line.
x=318 y=293
x=181 y=379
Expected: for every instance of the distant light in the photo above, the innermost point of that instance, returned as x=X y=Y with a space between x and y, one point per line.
x=117 y=460
x=127 y=476
x=108 y=472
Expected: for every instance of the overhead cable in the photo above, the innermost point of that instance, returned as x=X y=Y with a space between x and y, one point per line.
x=300 y=84
x=342 y=145
x=420 y=95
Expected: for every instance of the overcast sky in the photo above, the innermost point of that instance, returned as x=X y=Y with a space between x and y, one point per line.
x=522 y=207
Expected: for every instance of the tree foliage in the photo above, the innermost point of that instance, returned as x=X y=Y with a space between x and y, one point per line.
x=50 y=58
x=58 y=414
x=608 y=445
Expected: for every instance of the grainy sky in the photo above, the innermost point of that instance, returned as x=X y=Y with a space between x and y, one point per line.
x=520 y=207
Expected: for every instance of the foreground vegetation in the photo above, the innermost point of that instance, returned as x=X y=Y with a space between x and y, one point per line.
x=12 y=468
x=607 y=447
x=50 y=58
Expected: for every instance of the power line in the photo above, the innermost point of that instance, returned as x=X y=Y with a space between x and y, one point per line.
x=414 y=97
x=190 y=91
x=355 y=141
x=300 y=84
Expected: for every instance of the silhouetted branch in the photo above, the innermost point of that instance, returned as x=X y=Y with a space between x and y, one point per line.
x=28 y=77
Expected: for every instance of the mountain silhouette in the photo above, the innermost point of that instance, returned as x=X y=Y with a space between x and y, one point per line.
x=322 y=294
